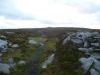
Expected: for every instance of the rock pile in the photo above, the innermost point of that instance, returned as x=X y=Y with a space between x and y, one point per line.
x=91 y=47
x=3 y=46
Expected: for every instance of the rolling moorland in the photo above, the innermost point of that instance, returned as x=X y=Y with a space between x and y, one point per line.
x=48 y=41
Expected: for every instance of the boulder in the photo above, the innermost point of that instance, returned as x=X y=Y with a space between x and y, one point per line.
x=77 y=41
x=21 y=62
x=11 y=62
x=32 y=42
x=48 y=61
x=97 y=65
x=86 y=50
x=4 y=68
x=94 y=72
x=91 y=40
x=66 y=40
x=86 y=44
x=1 y=54
x=95 y=55
x=3 y=46
x=95 y=44
x=15 y=45
x=97 y=37
x=2 y=36
x=41 y=44
x=86 y=63
x=10 y=44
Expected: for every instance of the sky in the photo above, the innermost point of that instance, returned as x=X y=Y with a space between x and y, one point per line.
x=49 y=13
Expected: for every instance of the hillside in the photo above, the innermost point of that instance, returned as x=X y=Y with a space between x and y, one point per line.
x=34 y=48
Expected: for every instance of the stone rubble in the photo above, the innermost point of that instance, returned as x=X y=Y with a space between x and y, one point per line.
x=91 y=47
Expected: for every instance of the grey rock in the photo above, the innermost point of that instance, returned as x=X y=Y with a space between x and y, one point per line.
x=95 y=44
x=91 y=40
x=1 y=54
x=15 y=45
x=86 y=63
x=21 y=62
x=95 y=55
x=41 y=44
x=97 y=65
x=77 y=41
x=10 y=44
x=4 y=68
x=66 y=40
x=2 y=36
x=86 y=44
x=97 y=37
x=86 y=50
x=48 y=61
x=11 y=62
x=32 y=42
x=94 y=72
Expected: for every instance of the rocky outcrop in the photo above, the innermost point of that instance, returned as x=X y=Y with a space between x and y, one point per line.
x=91 y=47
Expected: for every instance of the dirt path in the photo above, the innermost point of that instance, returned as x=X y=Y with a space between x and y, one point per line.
x=33 y=66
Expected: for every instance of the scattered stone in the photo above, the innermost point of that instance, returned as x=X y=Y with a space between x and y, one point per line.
x=9 y=32
x=41 y=44
x=32 y=42
x=66 y=40
x=48 y=61
x=4 y=68
x=21 y=62
x=15 y=45
x=10 y=44
x=11 y=62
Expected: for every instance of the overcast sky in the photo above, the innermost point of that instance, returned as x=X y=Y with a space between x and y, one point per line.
x=49 y=13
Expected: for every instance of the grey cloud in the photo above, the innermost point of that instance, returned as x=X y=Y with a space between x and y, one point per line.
x=9 y=10
x=84 y=6
x=48 y=22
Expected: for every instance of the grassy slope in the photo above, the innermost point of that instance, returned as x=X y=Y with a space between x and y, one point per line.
x=65 y=61
x=25 y=52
